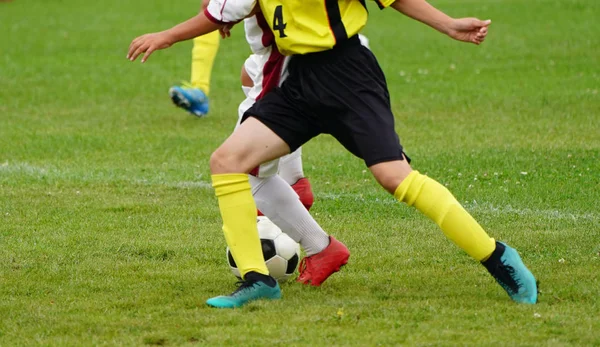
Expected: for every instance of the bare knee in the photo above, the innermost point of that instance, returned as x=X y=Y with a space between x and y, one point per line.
x=223 y=162
x=390 y=174
x=389 y=182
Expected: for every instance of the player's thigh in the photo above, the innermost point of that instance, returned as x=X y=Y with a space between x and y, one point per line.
x=251 y=144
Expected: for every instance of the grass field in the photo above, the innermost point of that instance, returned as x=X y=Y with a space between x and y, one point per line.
x=110 y=232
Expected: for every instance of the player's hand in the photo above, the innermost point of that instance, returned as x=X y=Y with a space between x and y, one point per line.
x=469 y=30
x=147 y=44
x=226 y=30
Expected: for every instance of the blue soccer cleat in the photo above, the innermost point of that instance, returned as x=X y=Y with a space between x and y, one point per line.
x=508 y=269
x=189 y=98
x=249 y=290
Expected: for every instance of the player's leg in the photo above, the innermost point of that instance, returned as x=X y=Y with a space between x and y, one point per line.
x=254 y=142
x=203 y=58
x=289 y=167
x=367 y=130
x=272 y=193
x=193 y=97
x=283 y=205
x=288 y=210
x=291 y=170
x=436 y=202
x=324 y=254
x=278 y=201
x=250 y=144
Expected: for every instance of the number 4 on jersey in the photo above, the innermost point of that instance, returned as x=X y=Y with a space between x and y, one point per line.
x=278 y=23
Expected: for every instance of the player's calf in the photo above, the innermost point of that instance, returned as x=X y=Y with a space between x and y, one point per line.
x=304 y=191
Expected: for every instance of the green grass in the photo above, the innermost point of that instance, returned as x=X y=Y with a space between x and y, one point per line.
x=111 y=235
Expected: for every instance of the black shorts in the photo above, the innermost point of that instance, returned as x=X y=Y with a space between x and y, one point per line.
x=341 y=92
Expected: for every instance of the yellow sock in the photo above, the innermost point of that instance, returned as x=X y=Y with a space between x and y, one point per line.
x=203 y=56
x=437 y=203
x=238 y=211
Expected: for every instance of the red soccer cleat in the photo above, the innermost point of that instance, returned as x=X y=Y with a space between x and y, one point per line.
x=302 y=188
x=314 y=270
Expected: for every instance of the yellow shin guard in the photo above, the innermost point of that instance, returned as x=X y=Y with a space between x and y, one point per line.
x=437 y=203
x=238 y=211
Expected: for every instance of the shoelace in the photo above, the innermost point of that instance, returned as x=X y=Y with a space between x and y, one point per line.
x=302 y=267
x=504 y=273
x=241 y=286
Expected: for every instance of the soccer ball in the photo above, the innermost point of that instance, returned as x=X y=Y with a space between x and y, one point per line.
x=281 y=253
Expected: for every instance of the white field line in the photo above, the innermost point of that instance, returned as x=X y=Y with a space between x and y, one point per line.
x=189 y=185
x=43 y=172
x=22 y=168
x=31 y=170
x=474 y=206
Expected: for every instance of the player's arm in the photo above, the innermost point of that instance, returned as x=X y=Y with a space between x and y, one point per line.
x=218 y=14
x=148 y=43
x=463 y=29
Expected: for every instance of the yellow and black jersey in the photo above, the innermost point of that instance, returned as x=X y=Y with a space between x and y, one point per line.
x=299 y=26
x=308 y=26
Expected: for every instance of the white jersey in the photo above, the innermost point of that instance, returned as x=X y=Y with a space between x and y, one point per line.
x=229 y=11
x=259 y=36
x=266 y=66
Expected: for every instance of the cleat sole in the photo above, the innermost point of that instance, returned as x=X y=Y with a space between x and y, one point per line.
x=179 y=100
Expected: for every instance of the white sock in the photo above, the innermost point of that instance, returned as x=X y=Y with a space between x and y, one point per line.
x=290 y=167
x=280 y=203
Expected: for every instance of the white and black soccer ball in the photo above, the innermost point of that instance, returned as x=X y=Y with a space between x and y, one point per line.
x=281 y=253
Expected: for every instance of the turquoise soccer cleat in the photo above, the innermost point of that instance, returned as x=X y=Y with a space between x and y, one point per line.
x=249 y=290
x=189 y=98
x=508 y=269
